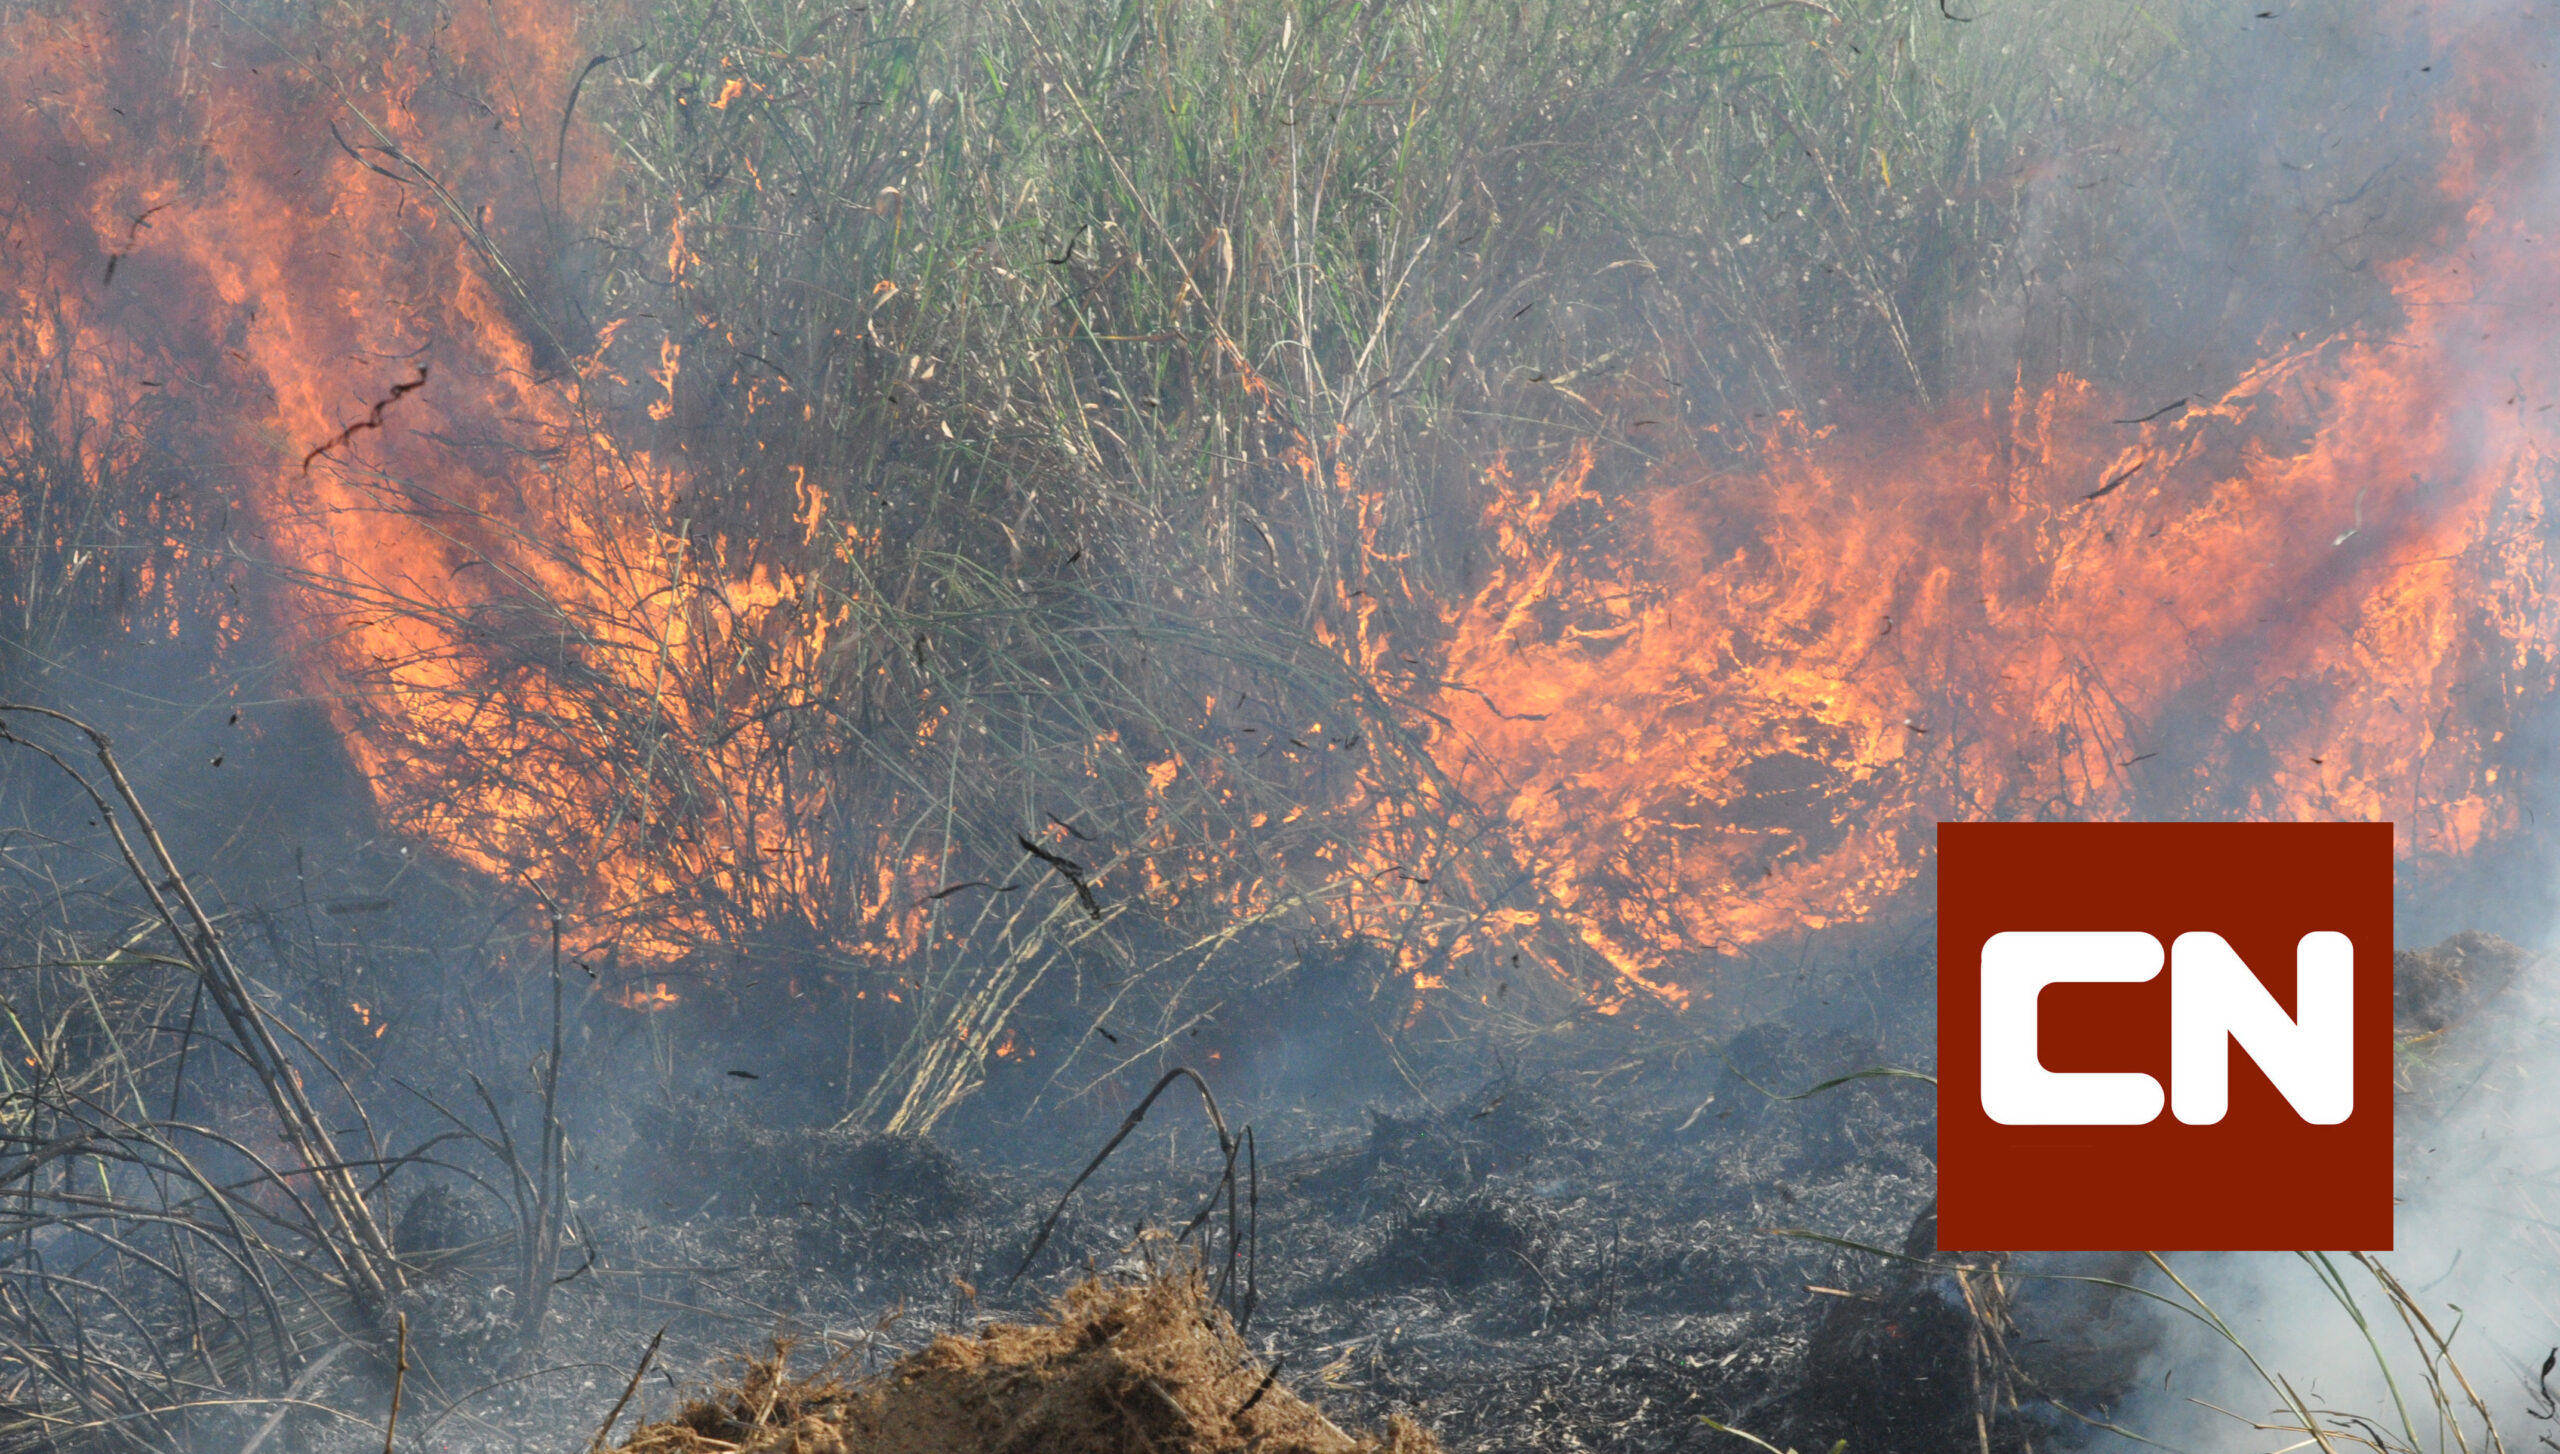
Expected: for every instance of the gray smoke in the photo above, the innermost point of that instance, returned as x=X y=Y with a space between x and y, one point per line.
x=2479 y=1180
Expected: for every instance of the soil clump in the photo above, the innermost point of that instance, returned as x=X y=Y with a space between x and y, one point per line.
x=1154 y=1365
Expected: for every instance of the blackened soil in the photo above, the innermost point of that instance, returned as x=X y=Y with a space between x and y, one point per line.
x=1595 y=1258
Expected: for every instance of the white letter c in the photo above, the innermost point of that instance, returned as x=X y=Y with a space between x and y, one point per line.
x=2016 y=1088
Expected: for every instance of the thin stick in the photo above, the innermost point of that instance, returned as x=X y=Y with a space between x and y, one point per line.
x=399 y=1380
x=1226 y=1145
x=292 y=1398
x=550 y=1199
x=186 y=1041
x=1268 y=1378
x=1252 y=1234
x=628 y=1390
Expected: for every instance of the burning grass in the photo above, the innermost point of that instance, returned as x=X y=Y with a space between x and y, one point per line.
x=950 y=506
x=1153 y=1365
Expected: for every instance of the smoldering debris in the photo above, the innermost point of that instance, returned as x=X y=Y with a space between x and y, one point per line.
x=1530 y=1265
x=2433 y=990
x=851 y=1203
x=1534 y=1263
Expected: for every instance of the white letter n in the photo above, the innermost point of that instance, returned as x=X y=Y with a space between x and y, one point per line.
x=2214 y=1000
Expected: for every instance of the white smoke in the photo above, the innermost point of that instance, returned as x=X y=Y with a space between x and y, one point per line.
x=2477 y=1253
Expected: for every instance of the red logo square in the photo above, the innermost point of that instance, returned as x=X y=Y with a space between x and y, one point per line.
x=2164 y=1035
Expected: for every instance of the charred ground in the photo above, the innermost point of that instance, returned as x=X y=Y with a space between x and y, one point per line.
x=1576 y=1259
x=1535 y=1263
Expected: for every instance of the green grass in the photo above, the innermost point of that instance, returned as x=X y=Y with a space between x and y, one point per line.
x=1148 y=352
x=1117 y=381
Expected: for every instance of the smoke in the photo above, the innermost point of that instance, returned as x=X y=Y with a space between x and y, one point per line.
x=2448 y=1334
x=2474 y=1255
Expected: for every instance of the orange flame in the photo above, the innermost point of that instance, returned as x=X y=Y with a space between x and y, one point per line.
x=502 y=602
x=648 y=999
x=1728 y=703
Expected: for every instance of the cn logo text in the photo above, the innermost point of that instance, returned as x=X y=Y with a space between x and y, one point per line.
x=2164 y=1035
x=2214 y=1001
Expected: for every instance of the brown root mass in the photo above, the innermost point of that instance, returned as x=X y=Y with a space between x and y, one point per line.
x=1155 y=1368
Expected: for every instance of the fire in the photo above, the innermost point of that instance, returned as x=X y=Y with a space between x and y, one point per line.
x=1733 y=700
x=1710 y=706
x=647 y=999
x=507 y=604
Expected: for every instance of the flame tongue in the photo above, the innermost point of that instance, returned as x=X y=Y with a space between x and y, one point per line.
x=1734 y=703
x=1726 y=703
x=496 y=597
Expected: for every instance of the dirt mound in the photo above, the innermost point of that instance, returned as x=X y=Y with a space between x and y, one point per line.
x=1154 y=1367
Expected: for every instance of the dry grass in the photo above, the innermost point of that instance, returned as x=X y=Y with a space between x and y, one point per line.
x=1113 y=387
